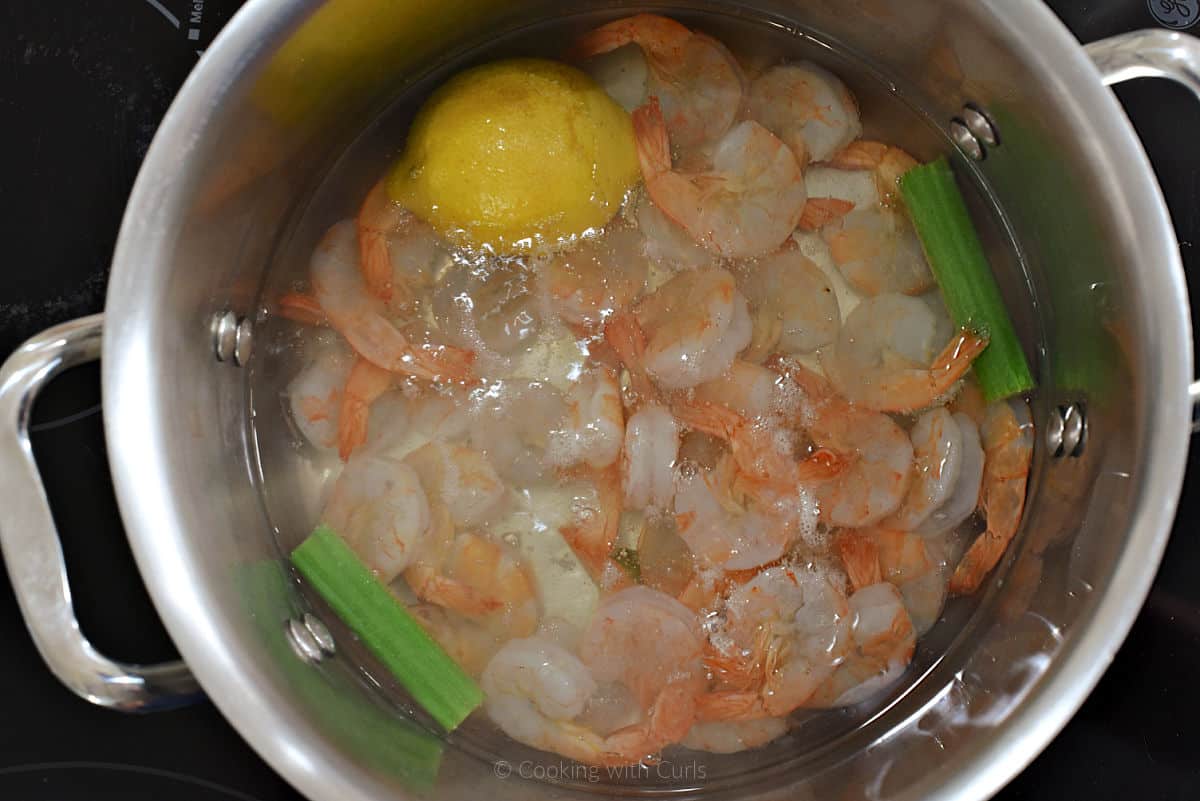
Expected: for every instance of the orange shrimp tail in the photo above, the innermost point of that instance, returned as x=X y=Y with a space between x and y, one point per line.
x=657 y=34
x=729 y=705
x=592 y=539
x=860 y=556
x=441 y=363
x=302 y=308
x=374 y=261
x=624 y=335
x=364 y=385
x=821 y=211
x=860 y=154
x=448 y=593
x=653 y=142
x=823 y=464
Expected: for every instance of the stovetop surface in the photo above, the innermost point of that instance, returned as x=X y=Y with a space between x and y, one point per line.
x=83 y=85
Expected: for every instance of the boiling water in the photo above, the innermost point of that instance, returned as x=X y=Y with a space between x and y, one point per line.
x=296 y=478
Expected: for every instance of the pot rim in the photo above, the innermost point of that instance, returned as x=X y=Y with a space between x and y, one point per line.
x=156 y=530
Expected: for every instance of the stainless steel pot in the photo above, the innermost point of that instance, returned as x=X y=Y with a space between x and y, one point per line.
x=259 y=120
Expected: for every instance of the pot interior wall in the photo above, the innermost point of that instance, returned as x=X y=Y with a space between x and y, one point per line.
x=1062 y=255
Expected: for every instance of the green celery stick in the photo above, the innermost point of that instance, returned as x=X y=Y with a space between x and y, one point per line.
x=961 y=268
x=431 y=677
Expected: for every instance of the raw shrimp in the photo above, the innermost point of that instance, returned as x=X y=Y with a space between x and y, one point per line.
x=534 y=690
x=648 y=458
x=379 y=508
x=665 y=242
x=600 y=275
x=509 y=425
x=460 y=479
x=694 y=327
x=732 y=736
x=651 y=643
x=786 y=632
x=875 y=455
x=314 y=397
x=593 y=531
x=724 y=526
x=793 y=305
x=593 y=428
x=749 y=389
x=697 y=81
x=937 y=454
x=745 y=205
x=909 y=562
x=359 y=316
x=879 y=361
x=965 y=496
x=882 y=644
x=398 y=253
x=878 y=251
x=473 y=576
x=364 y=386
x=807 y=107
x=886 y=164
x=1008 y=448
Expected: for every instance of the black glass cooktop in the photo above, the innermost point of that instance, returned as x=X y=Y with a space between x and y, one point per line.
x=83 y=84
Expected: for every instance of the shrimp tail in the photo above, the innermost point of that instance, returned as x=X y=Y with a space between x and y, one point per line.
x=860 y=154
x=1003 y=504
x=653 y=142
x=821 y=211
x=593 y=537
x=658 y=35
x=860 y=555
x=302 y=308
x=364 y=385
x=448 y=593
x=623 y=333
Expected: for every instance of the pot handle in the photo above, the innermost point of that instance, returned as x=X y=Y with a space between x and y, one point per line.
x=1152 y=54
x=30 y=544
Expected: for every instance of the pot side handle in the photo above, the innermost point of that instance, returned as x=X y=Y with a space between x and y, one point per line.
x=30 y=544
x=1152 y=54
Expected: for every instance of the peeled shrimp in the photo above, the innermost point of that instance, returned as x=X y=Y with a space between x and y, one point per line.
x=593 y=428
x=792 y=303
x=473 y=576
x=651 y=643
x=732 y=736
x=887 y=165
x=697 y=81
x=314 y=397
x=724 y=526
x=648 y=458
x=907 y=561
x=964 y=498
x=878 y=251
x=1008 y=448
x=665 y=242
x=879 y=362
x=786 y=632
x=509 y=425
x=882 y=644
x=379 y=508
x=749 y=389
x=874 y=453
x=746 y=205
x=359 y=316
x=398 y=253
x=694 y=327
x=807 y=107
x=494 y=311
x=534 y=690
x=937 y=454
x=460 y=479
x=588 y=283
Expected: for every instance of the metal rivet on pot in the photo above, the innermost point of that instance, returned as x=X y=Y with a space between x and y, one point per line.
x=966 y=141
x=303 y=641
x=242 y=342
x=320 y=633
x=224 y=333
x=979 y=124
x=1066 y=431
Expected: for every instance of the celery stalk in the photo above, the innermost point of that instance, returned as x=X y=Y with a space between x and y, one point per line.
x=431 y=677
x=962 y=271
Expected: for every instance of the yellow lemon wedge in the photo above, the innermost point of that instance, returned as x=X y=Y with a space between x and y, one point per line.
x=516 y=155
